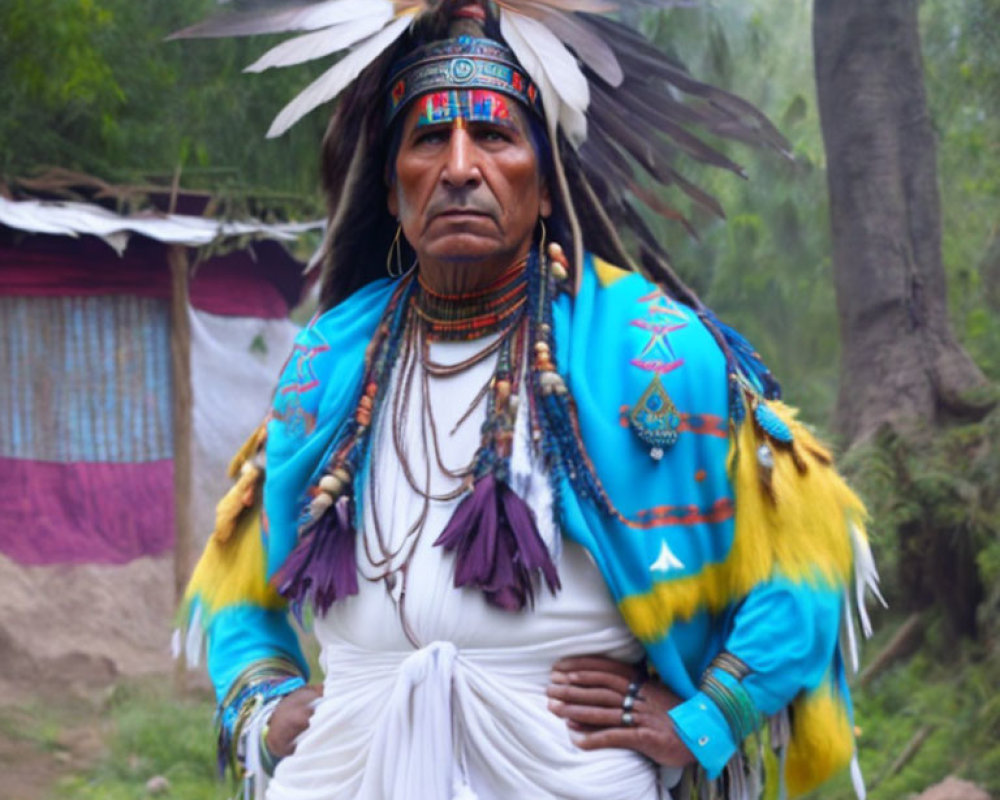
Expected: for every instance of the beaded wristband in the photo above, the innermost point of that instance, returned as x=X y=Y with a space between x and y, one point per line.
x=732 y=700
x=268 y=760
x=261 y=682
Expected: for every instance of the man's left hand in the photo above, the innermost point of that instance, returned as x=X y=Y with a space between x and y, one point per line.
x=589 y=693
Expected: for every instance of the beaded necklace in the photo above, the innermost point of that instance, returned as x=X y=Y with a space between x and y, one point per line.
x=323 y=567
x=471 y=315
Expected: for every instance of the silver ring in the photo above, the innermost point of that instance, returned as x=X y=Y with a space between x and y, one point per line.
x=628 y=702
x=633 y=688
x=627 y=719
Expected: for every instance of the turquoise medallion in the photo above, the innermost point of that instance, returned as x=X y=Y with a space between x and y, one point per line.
x=655 y=419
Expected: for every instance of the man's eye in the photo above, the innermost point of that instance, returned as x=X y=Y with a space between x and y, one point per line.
x=494 y=135
x=432 y=137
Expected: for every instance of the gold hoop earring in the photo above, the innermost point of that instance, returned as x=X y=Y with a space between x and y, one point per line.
x=554 y=257
x=396 y=247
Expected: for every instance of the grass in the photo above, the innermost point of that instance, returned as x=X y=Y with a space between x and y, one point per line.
x=152 y=732
x=956 y=697
x=35 y=725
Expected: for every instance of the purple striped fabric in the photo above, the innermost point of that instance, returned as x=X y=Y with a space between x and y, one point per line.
x=76 y=513
x=86 y=443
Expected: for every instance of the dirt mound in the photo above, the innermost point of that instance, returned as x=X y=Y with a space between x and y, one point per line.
x=69 y=628
x=953 y=788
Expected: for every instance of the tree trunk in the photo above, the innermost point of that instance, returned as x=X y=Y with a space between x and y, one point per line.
x=900 y=359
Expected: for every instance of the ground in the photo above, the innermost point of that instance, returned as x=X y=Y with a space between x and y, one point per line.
x=44 y=742
x=108 y=744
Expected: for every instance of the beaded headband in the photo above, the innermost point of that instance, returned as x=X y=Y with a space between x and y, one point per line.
x=462 y=63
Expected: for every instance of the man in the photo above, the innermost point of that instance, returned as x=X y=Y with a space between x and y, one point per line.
x=557 y=539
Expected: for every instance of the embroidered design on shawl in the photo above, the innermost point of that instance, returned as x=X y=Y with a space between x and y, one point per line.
x=698 y=424
x=302 y=381
x=662 y=318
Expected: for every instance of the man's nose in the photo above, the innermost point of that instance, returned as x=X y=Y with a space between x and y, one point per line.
x=461 y=168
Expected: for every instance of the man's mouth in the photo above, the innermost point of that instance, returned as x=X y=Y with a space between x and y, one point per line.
x=461 y=213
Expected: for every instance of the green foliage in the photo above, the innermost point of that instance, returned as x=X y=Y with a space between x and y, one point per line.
x=153 y=732
x=962 y=59
x=942 y=482
x=957 y=699
x=33 y=724
x=766 y=269
x=91 y=85
x=946 y=482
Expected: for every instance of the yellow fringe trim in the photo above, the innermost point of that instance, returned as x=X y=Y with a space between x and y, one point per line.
x=822 y=742
x=247 y=450
x=802 y=533
x=649 y=616
x=232 y=571
x=806 y=527
x=608 y=274
x=241 y=496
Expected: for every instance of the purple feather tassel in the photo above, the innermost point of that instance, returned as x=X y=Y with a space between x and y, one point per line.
x=323 y=565
x=497 y=546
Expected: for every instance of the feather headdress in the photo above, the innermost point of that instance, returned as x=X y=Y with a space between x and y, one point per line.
x=619 y=112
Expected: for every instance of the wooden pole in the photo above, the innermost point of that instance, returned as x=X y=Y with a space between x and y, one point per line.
x=180 y=358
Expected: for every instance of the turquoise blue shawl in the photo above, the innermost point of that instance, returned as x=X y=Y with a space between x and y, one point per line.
x=700 y=560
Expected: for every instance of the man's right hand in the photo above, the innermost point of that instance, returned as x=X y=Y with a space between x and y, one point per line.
x=289 y=718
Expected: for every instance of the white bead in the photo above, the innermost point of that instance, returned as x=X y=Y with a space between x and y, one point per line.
x=765 y=457
x=330 y=485
x=319 y=504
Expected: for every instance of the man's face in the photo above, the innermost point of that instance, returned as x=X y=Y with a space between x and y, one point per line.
x=467 y=185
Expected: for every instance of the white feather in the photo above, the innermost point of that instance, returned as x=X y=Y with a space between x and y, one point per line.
x=554 y=70
x=323 y=42
x=527 y=58
x=194 y=640
x=323 y=15
x=551 y=103
x=858 y=779
x=865 y=578
x=850 y=633
x=338 y=77
x=528 y=480
x=264 y=20
x=569 y=6
x=589 y=47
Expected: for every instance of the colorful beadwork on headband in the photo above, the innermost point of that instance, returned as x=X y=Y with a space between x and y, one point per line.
x=462 y=63
x=469 y=105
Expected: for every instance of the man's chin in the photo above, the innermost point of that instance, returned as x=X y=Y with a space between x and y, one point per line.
x=465 y=247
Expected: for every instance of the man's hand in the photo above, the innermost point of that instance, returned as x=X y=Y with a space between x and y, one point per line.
x=289 y=718
x=589 y=693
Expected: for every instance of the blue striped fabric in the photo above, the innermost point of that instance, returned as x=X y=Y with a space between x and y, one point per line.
x=85 y=379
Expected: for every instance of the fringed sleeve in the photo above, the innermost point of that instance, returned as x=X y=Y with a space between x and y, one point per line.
x=799 y=556
x=232 y=611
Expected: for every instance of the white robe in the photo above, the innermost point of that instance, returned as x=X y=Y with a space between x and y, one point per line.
x=464 y=715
